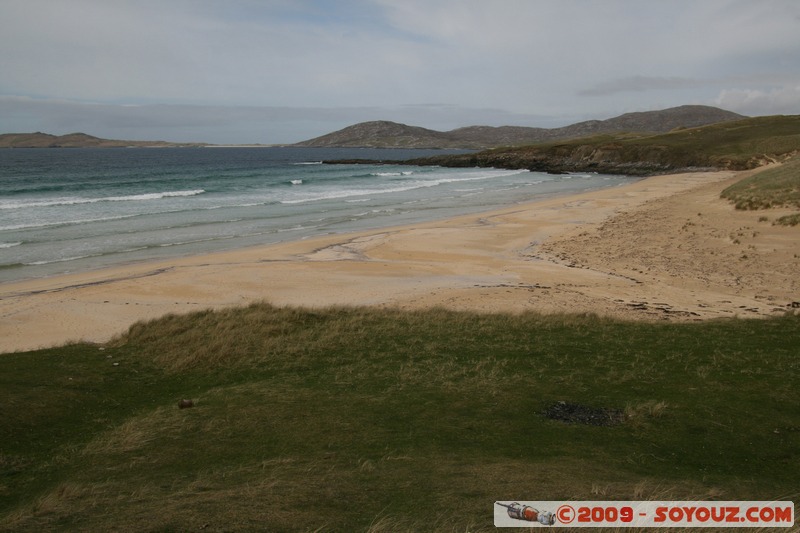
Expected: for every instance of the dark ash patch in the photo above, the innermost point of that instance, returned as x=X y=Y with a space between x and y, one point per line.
x=575 y=413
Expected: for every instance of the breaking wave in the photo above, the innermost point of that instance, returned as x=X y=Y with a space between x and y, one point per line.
x=25 y=204
x=392 y=174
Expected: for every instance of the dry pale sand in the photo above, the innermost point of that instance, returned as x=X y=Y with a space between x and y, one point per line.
x=666 y=247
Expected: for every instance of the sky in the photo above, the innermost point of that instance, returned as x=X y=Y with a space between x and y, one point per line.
x=282 y=71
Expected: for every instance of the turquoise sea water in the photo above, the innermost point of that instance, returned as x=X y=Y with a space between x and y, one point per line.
x=66 y=210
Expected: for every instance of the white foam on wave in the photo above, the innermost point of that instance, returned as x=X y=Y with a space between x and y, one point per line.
x=61 y=260
x=392 y=174
x=9 y=244
x=406 y=186
x=297 y=227
x=296 y=182
x=156 y=195
x=194 y=241
x=61 y=223
x=373 y=212
x=347 y=193
x=71 y=200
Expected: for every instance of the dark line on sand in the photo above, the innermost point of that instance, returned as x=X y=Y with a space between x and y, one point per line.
x=89 y=284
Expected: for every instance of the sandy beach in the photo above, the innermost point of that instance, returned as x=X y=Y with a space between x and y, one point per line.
x=663 y=248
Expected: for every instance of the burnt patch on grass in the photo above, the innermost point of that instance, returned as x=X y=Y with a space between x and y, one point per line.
x=575 y=413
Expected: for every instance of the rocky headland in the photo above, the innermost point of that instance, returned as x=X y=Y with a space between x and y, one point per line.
x=731 y=145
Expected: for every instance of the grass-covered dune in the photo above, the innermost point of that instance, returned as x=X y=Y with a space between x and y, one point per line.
x=736 y=145
x=775 y=187
x=355 y=419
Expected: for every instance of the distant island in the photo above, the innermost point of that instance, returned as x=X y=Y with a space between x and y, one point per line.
x=79 y=140
x=385 y=134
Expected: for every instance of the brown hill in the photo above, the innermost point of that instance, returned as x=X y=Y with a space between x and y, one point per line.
x=385 y=134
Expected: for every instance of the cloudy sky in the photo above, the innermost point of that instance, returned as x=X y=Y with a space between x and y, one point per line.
x=275 y=71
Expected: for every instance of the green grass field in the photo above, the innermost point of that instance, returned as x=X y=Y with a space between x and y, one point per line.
x=352 y=419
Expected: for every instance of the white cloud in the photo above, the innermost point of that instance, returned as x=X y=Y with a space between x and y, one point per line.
x=756 y=102
x=640 y=84
x=531 y=58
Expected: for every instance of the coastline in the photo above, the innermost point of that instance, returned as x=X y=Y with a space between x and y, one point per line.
x=665 y=247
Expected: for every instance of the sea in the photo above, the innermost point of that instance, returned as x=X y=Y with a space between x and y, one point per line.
x=67 y=210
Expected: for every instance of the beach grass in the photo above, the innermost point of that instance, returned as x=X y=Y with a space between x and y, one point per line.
x=774 y=187
x=360 y=419
x=788 y=220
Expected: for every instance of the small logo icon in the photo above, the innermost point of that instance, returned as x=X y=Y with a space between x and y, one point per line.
x=527 y=513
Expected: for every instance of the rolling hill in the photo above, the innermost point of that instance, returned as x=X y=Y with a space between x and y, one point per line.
x=385 y=134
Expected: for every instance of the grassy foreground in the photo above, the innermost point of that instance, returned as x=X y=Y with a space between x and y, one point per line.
x=352 y=419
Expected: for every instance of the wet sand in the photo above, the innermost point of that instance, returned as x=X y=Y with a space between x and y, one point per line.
x=664 y=248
